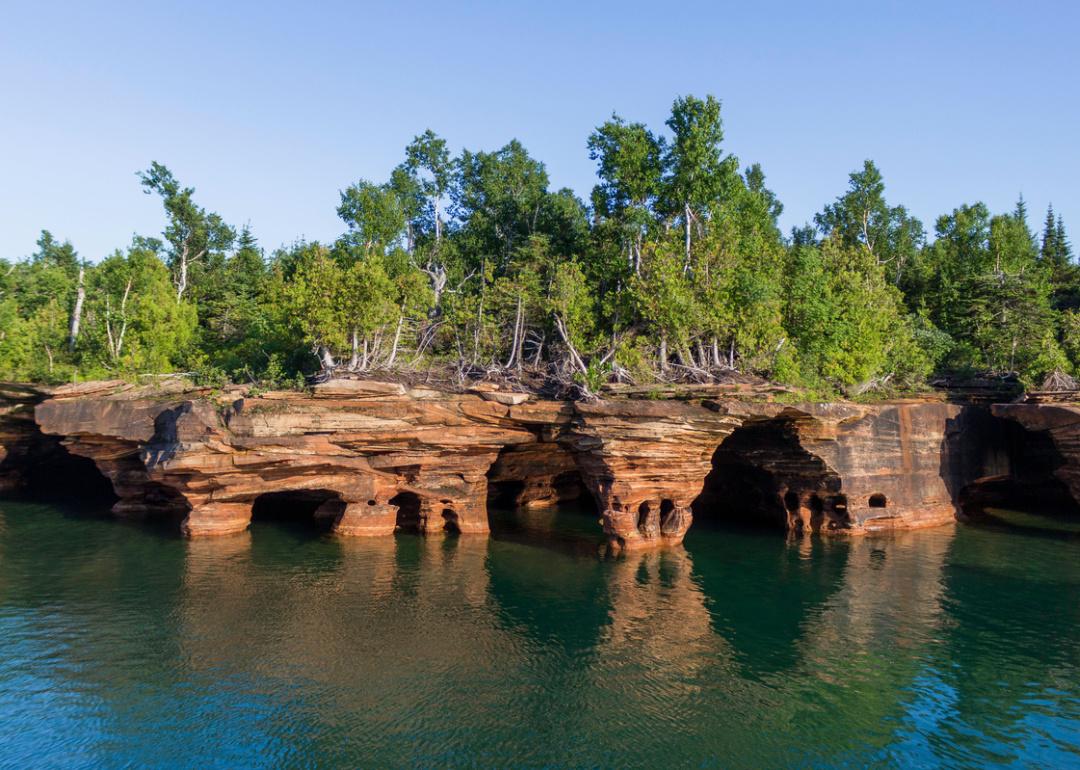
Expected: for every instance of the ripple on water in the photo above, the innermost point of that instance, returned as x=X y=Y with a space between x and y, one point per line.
x=121 y=645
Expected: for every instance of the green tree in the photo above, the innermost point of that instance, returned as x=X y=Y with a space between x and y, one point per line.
x=135 y=322
x=861 y=217
x=630 y=164
x=500 y=197
x=697 y=172
x=374 y=214
x=991 y=292
x=314 y=295
x=193 y=234
x=847 y=321
x=427 y=160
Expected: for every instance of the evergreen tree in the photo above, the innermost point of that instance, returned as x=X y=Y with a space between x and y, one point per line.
x=1061 y=242
x=1050 y=253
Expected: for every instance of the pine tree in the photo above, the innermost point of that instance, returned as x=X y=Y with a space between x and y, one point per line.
x=1049 y=250
x=1061 y=242
x=1020 y=212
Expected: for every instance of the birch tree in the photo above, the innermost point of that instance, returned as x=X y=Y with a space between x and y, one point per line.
x=191 y=232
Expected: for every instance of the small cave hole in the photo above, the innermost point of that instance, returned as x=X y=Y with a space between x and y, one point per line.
x=643 y=514
x=877 y=500
x=839 y=518
x=503 y=495
x=791 y=501
x=667 y=507
x=450 y=521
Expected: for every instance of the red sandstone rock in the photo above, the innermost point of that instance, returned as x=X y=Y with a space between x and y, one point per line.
x=1060 y=423
x=385 y=457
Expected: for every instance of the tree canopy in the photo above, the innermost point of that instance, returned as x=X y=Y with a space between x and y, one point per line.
x=674 y=270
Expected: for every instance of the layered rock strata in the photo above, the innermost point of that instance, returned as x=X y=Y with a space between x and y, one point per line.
x=382 y=457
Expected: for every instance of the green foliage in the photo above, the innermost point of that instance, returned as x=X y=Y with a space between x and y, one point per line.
x=374 y=213
x=134 y=322
x=196 y=238
x=847 y=321
x=861 y=217
x=677 y=270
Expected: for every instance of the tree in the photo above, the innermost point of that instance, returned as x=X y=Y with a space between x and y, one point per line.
x=862 y=218
x=755 y=183
x=366 y=306
x=1061 y=241
x=630 y=164
x=237 y=320
x=192 y=232
x=664 y=301
x=1050 y=252
x=374 y=214
x=697 y=172
x=846 y=319
x=992 y=293
x=314 y=297
x=427 y=160
x=136 y=324
x=571 y=307
x=500 y=196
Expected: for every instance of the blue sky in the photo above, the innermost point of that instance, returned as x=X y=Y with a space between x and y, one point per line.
x=269 y=109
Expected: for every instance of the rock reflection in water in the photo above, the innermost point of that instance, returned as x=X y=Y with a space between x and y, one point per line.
x=283 y=647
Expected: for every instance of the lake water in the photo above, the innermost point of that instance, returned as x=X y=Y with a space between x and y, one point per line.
x=121 y=645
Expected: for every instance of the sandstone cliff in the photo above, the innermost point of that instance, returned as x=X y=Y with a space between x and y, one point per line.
x=373 y=457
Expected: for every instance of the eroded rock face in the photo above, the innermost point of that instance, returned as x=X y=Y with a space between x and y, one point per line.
x=22 y=444
x=847 y=468
x=379 y=457
x=1048 y=447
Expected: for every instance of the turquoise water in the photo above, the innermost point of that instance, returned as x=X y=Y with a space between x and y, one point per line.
x=121 y=645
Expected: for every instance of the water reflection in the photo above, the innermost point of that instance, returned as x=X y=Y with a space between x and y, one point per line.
x=119 y=645
x=762 y=597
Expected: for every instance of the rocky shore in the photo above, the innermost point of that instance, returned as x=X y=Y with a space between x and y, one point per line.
x=369 y=458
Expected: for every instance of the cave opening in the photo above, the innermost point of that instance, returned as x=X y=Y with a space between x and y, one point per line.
x=763 y=478
x=667 y=507
x=1015 y=482
x=57 y=474
x=503 y=494
x=450 y=521
x=408 y=511
x=537 y=495
x=643 y=512
x=537 y=476
x=315 y=510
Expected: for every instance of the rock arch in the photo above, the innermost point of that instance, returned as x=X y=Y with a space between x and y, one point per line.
x=320 y=508
x=532 y=487
x=762 y=476
x=537 y=475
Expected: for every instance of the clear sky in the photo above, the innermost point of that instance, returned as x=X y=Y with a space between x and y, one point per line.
x=269 y=109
